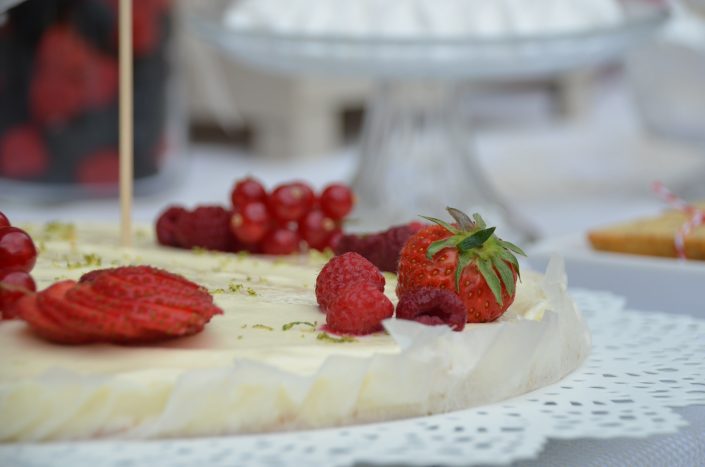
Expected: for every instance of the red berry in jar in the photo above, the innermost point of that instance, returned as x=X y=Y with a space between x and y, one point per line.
x=61 y=75
x=291 y=201
x=22 y=153
x=281 y=241
x=250 y=222
x=4 y=221
x=13 y=286
x=337 y=200
x=316 y=228
x=246 y=191
x=17 y=250
x=98 y=168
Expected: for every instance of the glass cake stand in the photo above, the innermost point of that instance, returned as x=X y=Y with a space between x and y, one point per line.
x=416 y=153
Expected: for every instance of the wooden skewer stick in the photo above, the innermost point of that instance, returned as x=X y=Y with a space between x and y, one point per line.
x=126 y=122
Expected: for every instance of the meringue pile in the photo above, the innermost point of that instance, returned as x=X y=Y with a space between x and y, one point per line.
x=423 y=18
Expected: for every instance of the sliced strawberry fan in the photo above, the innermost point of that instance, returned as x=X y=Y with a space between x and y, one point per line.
x=132 y=304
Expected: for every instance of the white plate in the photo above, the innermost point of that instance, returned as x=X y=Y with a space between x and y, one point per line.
x=647 y=283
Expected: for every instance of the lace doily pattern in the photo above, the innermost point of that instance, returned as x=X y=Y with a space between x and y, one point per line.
x=641 y=366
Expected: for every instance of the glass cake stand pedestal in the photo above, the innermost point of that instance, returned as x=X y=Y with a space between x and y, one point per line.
x=416 y=153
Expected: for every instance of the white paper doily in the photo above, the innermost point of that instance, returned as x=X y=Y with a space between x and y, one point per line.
x=641 y=365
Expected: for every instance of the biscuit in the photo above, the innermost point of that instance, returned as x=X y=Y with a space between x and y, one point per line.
x=654 y=236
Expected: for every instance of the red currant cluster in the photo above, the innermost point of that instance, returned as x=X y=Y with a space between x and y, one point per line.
x=275 y=223
x=279 y=221
x=17 y=257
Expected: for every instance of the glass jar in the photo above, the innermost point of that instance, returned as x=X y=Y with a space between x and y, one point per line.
x=59 y=98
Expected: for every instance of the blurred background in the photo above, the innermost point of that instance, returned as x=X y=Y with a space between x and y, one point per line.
x=378 y=94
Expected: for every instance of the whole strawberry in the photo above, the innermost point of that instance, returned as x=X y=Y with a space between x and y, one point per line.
x=466 y=258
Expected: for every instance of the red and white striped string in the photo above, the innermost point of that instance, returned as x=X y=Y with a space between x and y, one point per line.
x=696 y=216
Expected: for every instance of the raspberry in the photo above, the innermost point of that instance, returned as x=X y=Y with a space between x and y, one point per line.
x=433 y=307
x=358 y=309
x=121 y=305
x=166 y=225
x=205 y=227
x=343 y=271
x=383 y=248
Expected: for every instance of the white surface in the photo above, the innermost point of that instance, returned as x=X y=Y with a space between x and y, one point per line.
x=627 y=388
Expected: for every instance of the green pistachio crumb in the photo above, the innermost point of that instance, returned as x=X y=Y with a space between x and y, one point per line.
x=288 y=326
x=324 y=336
x=263 y=326
x=59 y=231
x=251 y=292
x=88 y=260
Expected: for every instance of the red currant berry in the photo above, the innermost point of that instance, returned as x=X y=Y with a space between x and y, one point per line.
x=13 y=286
x=315 y=228
x=250 y=222
x=281 y=242
x=4 y=221
x=246 y=191
x=290 y=201
x=17 y=251
x=337 y=201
